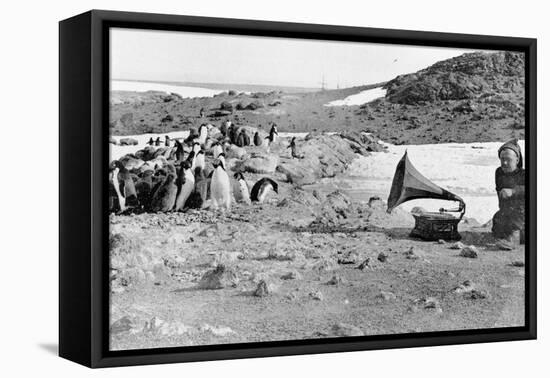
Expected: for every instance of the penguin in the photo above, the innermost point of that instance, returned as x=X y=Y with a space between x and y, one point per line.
x=267 y=143
x=201 y=113
x=273 y=134
x=221 y=157
x=191 y=137
x=217 y=149
x=257 y=139
x=126 y=185
x=293 y=149
x=220 y=190
x=200 y=194
x=191 y=159
x=165 y=196
x=246 y=138
x=262 y=188
x=120 y=203
x=232 y=130
x=240 y=139
x=223 y=129
x=185 y=184
x=151 y=141
x=203 y=133
x=157 y=141
x=144 y=186
x=167 y=141
x=199 y=160
x=208 y=144
x=179 y=152
x=242 y=193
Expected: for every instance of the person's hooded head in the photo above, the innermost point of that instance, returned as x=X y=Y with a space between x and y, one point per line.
x=510 y=156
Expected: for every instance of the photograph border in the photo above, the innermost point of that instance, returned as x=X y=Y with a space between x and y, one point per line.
x=84 y=226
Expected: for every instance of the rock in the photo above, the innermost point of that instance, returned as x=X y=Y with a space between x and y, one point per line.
x=465 y=287
x=518 y=264
x=366 y=264
x=292 y=275
x=235 y=152
x=457 y=245
x=414 y=253
x=441 y=241
x=124 y=324
x=226 y=106
x=429 y=303
x=258 y=163
x=173 y=328
x=349 y=258
x=316 y=295
x=386 y=295
x=470 y=252
x=324 y=265
x=128 y=142
x=476 y=294
x=336 y=280
x=217 y=331
x=153 y=325
x=296 y=174
x=112 y=140
x=382 y=257
x=262 y=290
x=218 y=278
x=346 y=330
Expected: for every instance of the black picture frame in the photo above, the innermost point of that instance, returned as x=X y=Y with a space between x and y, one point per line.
x=83 y=159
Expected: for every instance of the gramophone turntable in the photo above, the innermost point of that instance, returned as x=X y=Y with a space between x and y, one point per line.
x=408 y=184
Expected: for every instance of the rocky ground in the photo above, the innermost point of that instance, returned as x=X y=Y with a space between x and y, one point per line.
x=297 y=267
x=472 y=98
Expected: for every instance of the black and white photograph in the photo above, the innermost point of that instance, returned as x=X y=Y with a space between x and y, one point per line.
x=267 y=189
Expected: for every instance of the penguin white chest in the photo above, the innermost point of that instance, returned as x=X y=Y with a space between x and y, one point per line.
x=243 y=190
x=264 y=191
x=219 y=188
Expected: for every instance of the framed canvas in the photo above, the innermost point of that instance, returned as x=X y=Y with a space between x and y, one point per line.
x=236 y=188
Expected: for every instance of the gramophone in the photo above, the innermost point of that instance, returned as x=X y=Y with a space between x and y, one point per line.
x=408 y=184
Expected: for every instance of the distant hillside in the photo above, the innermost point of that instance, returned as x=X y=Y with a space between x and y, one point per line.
x=476 y=97
x=464 y=77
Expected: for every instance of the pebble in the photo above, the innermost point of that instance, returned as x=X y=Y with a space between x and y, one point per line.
x=386 y=295
x=470 y=252
x=336 y=280
x=457 y=245
x=382 y=257
x=343 y=330
x=316 y=295
x=518 y=263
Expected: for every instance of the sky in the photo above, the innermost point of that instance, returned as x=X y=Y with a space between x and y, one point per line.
x=213 y=58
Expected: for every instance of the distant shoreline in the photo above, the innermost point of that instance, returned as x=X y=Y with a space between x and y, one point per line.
x=230 y=86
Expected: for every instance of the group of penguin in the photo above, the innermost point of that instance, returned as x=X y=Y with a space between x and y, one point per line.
x=174 y=177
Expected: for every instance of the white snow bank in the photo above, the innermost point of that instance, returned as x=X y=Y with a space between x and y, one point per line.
x=360 y=98
x=140 y=86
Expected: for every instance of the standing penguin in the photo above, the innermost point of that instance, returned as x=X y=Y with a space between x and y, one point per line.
x=203 y=133
x=293 y=149
x=223 y=129
x=257 y=139
x=151 y=141
x=185 y=184
x=179 y=152
x=242 y=193
x=267 y=143
x=126 y=185
x=219 y=187
x=199 y=160
x=191 y=159
x=246 y=138
x=201 y=113
x=144 y=186
x=262 y=188
x=157 y=141
x=120 y=203
x=240 y=139
x=217 y=149
x=165 y=196
x=167 y=141
x=232 y=130
x=273 y=134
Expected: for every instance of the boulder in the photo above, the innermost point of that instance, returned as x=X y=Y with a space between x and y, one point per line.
x=260 y=163
x=128 y=142
x=218 y=278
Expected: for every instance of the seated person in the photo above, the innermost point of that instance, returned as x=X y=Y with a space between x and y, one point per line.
x=509 y=220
